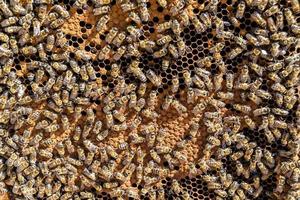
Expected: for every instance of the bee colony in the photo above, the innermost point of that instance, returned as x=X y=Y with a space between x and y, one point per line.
x=150 y=99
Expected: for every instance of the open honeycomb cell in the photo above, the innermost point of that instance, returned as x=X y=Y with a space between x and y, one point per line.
x=150 y=99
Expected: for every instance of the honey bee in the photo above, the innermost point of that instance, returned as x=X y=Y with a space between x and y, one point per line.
x=144 y=13
x=135 y=139
x=29 y=50
x=162 y=3
x=240 y=194
x=199 y=26
x=152 y=101
x=101 y=24
x=160 y=53
x=181 y=47
x=132 y=193
x=119 y=53
x=164 y=26
x=275 y=66
x=77 y=133
x=57 y=23
x=221 y=193
x=234 y=21
x=134 y=32
x=86 y=195
x=226 y=179
x=45 y=153
x=239 y=168
x=61 y=10
x=134 y=17
x=176 y=27
x=224 y=152
x=259 y=19
x=279 y=111
x=233 y=188
x=280 y=184
x=240 y=10
x=9 y=21
x=133 y=100
x=237 y=155
x=219 y=26
x=280 y=124
x=286 y=71
x=176 y=186
x=187 y=78
x=81 y=155
x=165 y=39
x=225 y=96
x=154 y=79
x=134 y=68
x=129 y=155
x=103 y=2
x=249 y=122
x=111 y=152
x=132 y=50
x=119 y=176
x=90 y=146
x=118 y=40
x=295 y=175
x=102 y=135
x=161 y=194
x=214 y=141
x=235 y=52
x=5 y=10
x=173 y=51
x=175 y=85
x=275 y=51
x=181 y=144
x=279 y=36
x=150 y=167
x=204 y=62
x=140 y=104
x=293 y=78
x=214 y=185
x=179 y=107
x=104 y=53
x=274 y=77
x=117 y=193
x=217 y=48
x=109 y=107
x=4 y=37
x=268 y=157
x=242 y=108
x=263 y=169
x=278 y=88
x=11 y=160
x=271 y=11
x=190 y=96
x=271 y=24
x=147 y=44
x=123 y=146
x=101 y=10
x=150 y=139
x=155 y=156
x=295 y=6
x=229 y=81
x=12 y=29
x=216 y=103
x=269 y=135
x=254 y=98
x=206 y=19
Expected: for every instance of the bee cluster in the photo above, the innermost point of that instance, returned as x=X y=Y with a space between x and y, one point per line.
x=178 y=99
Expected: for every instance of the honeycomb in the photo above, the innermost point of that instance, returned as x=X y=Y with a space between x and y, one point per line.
x=150 y=99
